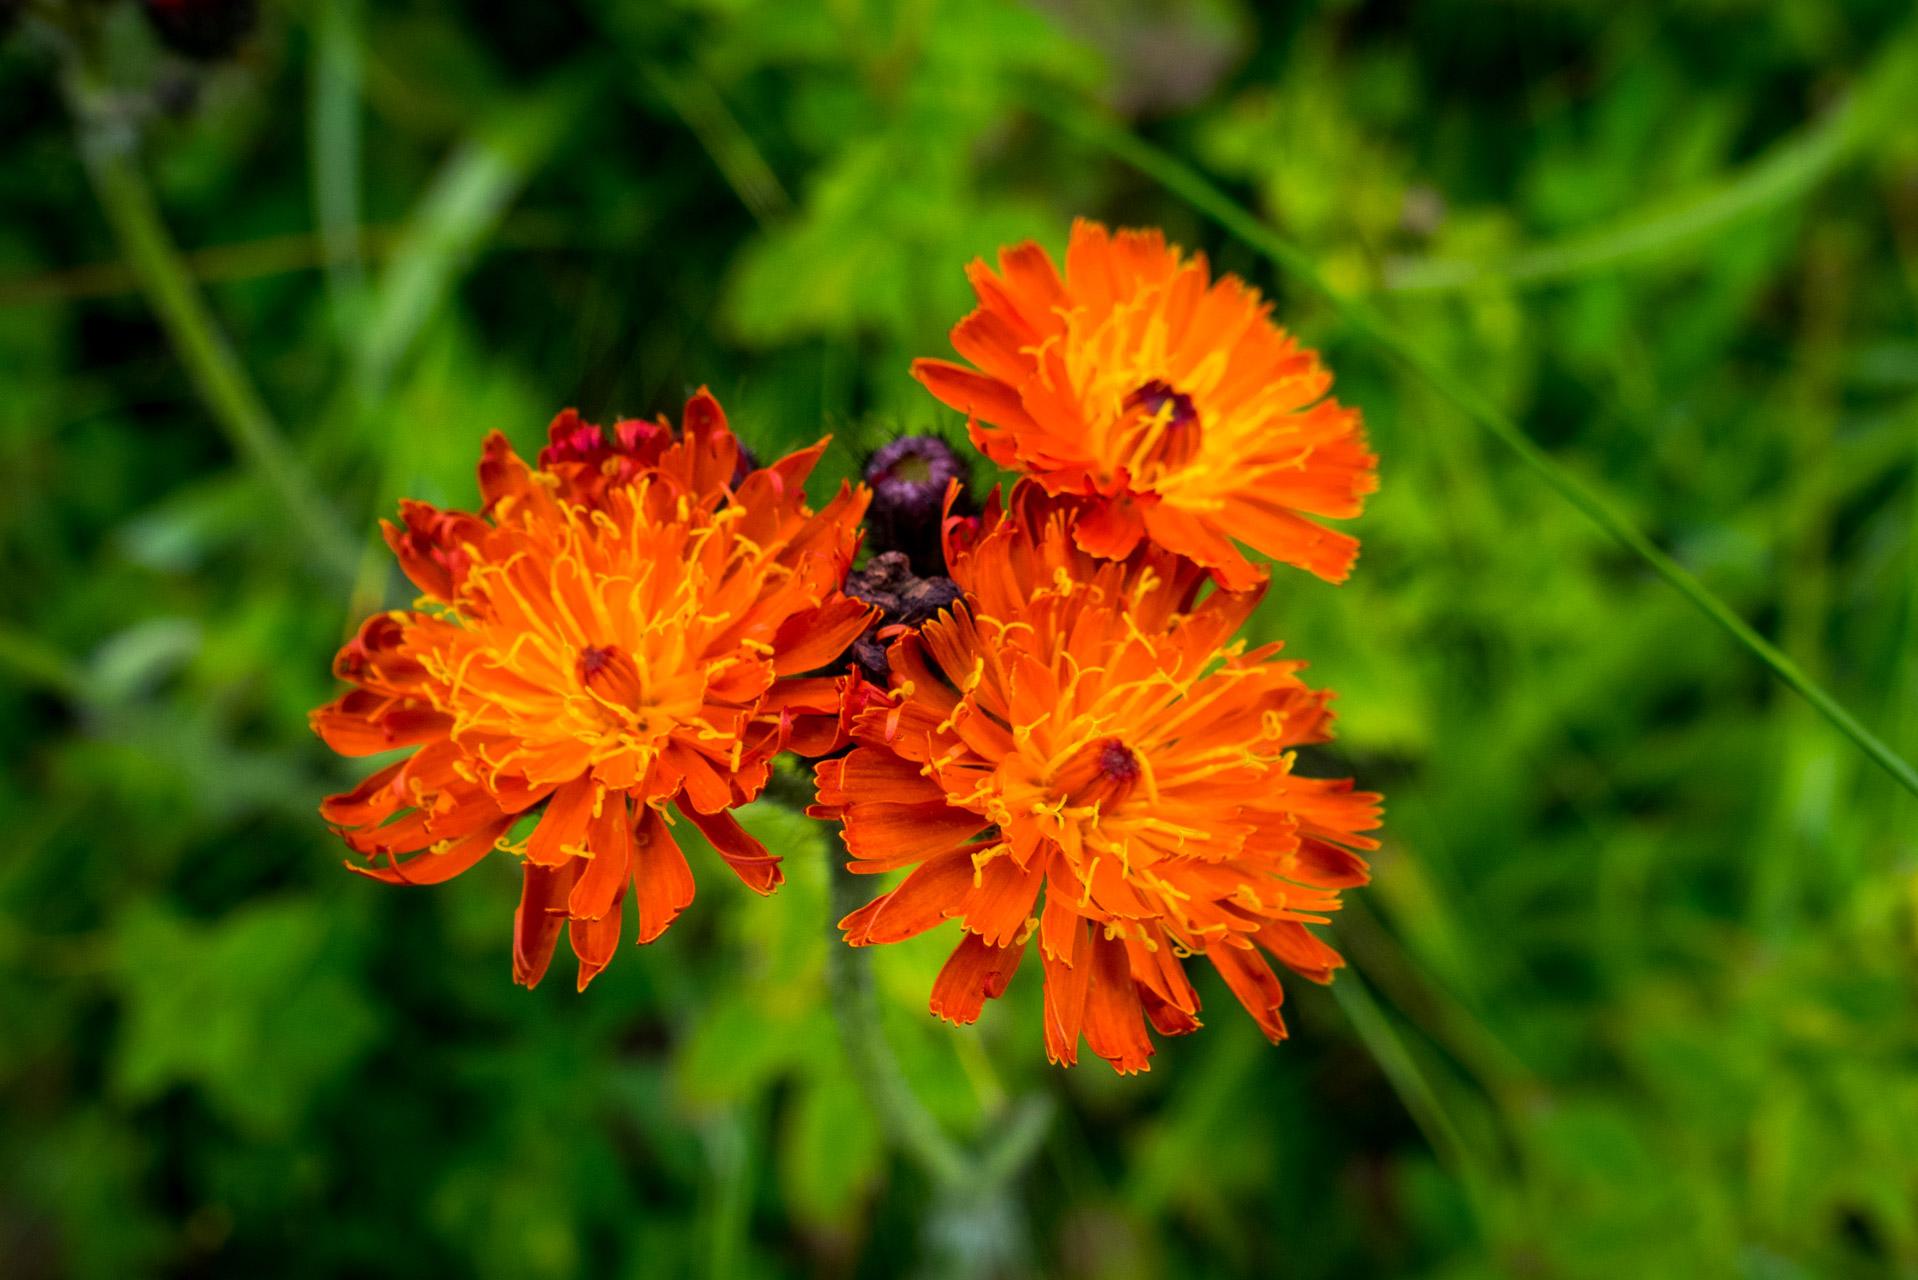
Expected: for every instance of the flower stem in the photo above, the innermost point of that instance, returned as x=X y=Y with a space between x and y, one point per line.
x=1185 y=182
x=108 y=145
x=976 y=1226
x=855 y=1005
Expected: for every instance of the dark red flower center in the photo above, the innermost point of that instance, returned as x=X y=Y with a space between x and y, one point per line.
x=1168 y=427
x=1103 y=771
x=1117 y=762
x=610 y=672
x=1155 y=397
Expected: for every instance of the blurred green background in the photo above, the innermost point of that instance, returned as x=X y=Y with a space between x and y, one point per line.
x=1643 y=924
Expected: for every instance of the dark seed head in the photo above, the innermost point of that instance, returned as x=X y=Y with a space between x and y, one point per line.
x=907 y=600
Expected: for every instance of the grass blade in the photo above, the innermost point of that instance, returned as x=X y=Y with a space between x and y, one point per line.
x=336 y=138
x=696 y=102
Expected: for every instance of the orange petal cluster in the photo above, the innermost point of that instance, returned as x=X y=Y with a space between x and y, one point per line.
x=620 y=631
x=1081 y=752
x=1167 y=401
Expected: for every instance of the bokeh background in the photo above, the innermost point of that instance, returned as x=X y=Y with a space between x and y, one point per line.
x=1643 y=926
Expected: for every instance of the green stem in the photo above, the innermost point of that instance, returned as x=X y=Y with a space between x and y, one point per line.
x=1195 y=190
x=855 y=1005
x=107 y=144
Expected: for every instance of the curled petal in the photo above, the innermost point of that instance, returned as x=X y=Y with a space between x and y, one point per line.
x=746 y=856
x=975 y=973
x=442 y=864
x=1251 y=980
x=539 y=917
x=662 y=882
x=1068 y=975
x=595 y=940
x=1114 y=1021
x=922 y=900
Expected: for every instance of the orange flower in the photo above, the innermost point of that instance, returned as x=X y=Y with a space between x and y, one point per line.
x=1084 y=730
x=1171 y=403
x=619 y=632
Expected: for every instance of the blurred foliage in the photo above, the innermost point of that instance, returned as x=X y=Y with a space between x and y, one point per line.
x=1645 y=925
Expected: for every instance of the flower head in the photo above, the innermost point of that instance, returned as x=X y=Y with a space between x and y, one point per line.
x=617 y=632
x=1079 y=751
x=1169 y=402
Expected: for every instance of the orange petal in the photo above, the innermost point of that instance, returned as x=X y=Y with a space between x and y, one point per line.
x=424 y=827
x=928 y=896
x=1111 y=528
x=609 y=841
x=1089 y=275
x=501 y=473
x=1300 y=950
x=1291 y=539
x=369 y=802
x=988 y=339
x=1158 y=973
x=1114 y=1021
x=1167 y=1020
x=974 y=394
x=397 y=726
x=436 y=868
x=867 y=772
x=662 y=882
x=1001 y=902
x=705 y=789
x=595 y=941
x=817 y=636
x=1322 y=863
x=746 y=856
x=975 y=973
x=902 y=833
x=1201 y=540
x=1252 y=981
x=562 y=828
x=537 y=920
x=1032 y=289
x=1068 y=973
x=1059 y=924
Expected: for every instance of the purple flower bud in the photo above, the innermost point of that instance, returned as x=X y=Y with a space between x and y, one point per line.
x=909 y=479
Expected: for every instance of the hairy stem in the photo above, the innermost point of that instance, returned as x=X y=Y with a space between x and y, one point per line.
x=855 y=1005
